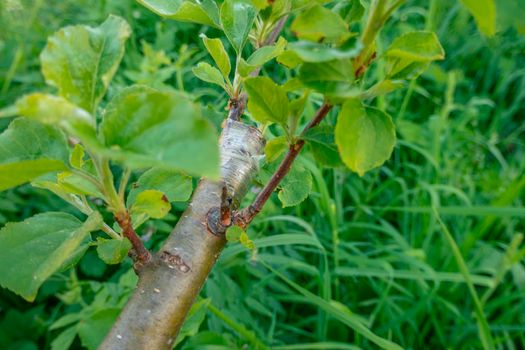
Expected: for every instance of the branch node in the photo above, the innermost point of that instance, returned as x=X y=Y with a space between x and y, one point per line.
x=139 y=254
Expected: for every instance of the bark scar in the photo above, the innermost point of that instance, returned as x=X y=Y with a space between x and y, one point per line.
x=174 y=261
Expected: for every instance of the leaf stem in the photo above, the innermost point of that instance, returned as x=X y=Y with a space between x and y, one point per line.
x=245 y=216
x=123 y=183
x=116 y=205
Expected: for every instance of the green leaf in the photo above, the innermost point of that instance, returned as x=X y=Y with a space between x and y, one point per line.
x=113 y=251
x=40 y=246
x=22 y=161
x=76 y=158
x=237 y=17
x=93 y=329
x=289 y=59
x=153 y=203
x=333 y=78
x=260 y=57
x=233 y=233
x=484 y=12
x=219 y=54
x=411 y=53
x=319 y=24
x=267 y=53
x=54 y=110
x=295 y=186
x=322 y=142
x=237 y=234
x=308 y=51
x=203 y=12
x=365 y=136
x=209 y=74
x=64 y=340
x=175 y=185
x=350 y=10
x=382 y=88
x=81 y=61
x=72 y=183
x=416 y=46
x=267 y=101
x=275 y=147
x=246 y=242
x=135 y=125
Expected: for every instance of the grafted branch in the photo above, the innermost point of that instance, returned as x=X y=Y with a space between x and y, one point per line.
x=244 y=217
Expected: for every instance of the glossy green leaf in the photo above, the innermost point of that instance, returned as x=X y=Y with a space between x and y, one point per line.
x=296 y=186
x=365 y=136
x=153 y=203
x=237 y=17
x=320 y=24
x=81 y=61
x=267 y=53
x=54 y=110
x=113 y=251
x=72 y=183
x=411 y=53
x=484 y=12
x=267 y=101
x=322 y=142
x=219 y=54
x=245 y=241
x=175 y=185
x=20 y=161
x=64 y=340
x=289 y=59
x=350 y=10
x=93 y=329
x=260 y=57
x=275 y=147
x=40 y=245
x=416 y=46
x=233 y=233
x=308 y=51
x=203 y=12
x=76 y=158
x=334 y=78
x=143 y=127
x=382 y=88
x=209 y=74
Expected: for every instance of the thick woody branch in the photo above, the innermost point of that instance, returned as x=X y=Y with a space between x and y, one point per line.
x=244 y=217
x=169 y=284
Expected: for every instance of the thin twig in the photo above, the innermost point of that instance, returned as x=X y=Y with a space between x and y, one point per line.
x=139 y=253
x=245 y=216
x=274 y=34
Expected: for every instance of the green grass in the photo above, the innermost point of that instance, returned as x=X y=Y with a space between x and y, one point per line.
x=425 y=252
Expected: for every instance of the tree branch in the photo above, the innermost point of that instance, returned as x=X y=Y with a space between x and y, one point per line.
x=244 y=217
x=140 y=255
x=169 y=284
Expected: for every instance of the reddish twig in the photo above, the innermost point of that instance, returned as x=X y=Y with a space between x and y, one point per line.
x=245 y=216
x=139 y=253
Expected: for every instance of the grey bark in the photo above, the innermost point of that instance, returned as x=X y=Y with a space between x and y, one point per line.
x=168 y=286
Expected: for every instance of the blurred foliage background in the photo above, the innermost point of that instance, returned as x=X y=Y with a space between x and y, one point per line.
x=374 y=244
